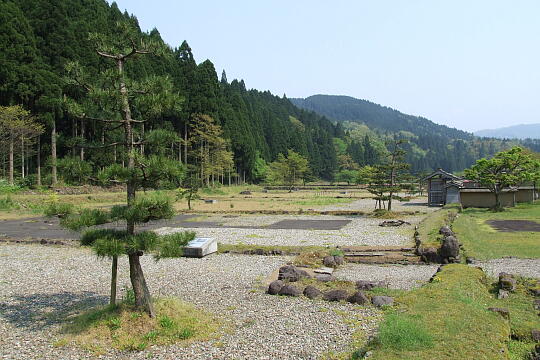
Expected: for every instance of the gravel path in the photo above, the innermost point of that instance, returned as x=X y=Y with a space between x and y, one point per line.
x=41 y=285
x=397 y=276
x=360 y=231
x=524 y=267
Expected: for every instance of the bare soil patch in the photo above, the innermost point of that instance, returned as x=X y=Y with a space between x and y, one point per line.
x=514 y=225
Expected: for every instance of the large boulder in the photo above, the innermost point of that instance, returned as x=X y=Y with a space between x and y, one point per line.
x=329 y=261
x=358 y=298
x=368 y=285
x=382 y=301
x=291 y=273
x=450 y=248
x=335 y=295
x=339 y=260
x=312 y=292
x=507 y=282
x=275 y=287
x=446 y=231
x=289 y=290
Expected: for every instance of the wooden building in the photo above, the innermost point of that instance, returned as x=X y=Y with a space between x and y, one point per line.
x=443 y=188
x=446 y=188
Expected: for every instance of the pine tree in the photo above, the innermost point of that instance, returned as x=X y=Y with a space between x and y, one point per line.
x=111 y=99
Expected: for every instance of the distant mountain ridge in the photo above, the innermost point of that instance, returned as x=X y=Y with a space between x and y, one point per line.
x=429 y=146
x=522 y=131
x=375 y=116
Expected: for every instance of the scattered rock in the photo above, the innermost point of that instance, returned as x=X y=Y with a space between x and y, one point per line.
x=507 y=282
x=245 y=192
x=535 y=334
x=382 y=300
x=368 y=285
x=502 y=294
x=339 y=260
x=289 y=290
x=358 y=298
x=446 y=231
x=536 y=304
x=312 y=292
x=387 y=223
x=335 y=295
x=502 y=311
x=324 y=277
x=275 y=287
x=449 y=249
x=291 y=273
x=329 y=261
x=470 y=260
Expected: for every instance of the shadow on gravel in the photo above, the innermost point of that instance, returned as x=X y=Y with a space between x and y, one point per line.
x=40 y=311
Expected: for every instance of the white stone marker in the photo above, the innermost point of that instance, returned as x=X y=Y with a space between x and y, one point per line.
x=200 y=247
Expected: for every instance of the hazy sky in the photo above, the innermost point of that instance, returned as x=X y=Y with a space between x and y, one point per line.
x=466 y=64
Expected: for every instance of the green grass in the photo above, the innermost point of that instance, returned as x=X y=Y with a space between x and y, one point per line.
x=124 y=328
x=403 y=332
x=428 y=229
x=445 y=319
x=483 y=242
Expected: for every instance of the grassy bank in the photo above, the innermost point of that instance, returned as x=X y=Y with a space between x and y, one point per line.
x=448 y=319
x=481 y=241
x=124 y=328
x=428 y=229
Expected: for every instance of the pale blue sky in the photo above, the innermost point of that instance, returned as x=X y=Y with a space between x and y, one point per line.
x=468 y=64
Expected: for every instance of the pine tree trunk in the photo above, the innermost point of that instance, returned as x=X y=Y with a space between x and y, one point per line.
x=53 y=154
x=142 y=295
x=114 y=275
x=138 y=282
x=11 y=169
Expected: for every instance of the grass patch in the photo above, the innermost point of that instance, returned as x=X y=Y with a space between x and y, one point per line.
x=404 y=332
x=483 y=242
x=267 y=249
x=323 y=200
x=124 y=328
x=445 y=319
x=428 y=229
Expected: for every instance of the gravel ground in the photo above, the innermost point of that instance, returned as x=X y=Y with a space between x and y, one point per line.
x=524 y=267
x=397 y=276
x=360 y=231
x=41 y=285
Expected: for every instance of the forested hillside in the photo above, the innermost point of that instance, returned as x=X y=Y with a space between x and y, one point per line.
x=40 y=37
x=430 y=145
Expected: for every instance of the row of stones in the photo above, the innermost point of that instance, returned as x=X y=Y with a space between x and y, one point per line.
x=289 y=274
x=447 y=253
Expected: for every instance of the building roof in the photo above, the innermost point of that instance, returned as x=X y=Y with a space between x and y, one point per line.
x=443 y=174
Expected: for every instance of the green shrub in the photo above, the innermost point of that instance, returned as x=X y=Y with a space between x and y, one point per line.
x=74 y=171
x=6 y=188
x=58 y=209
x=7 y=203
